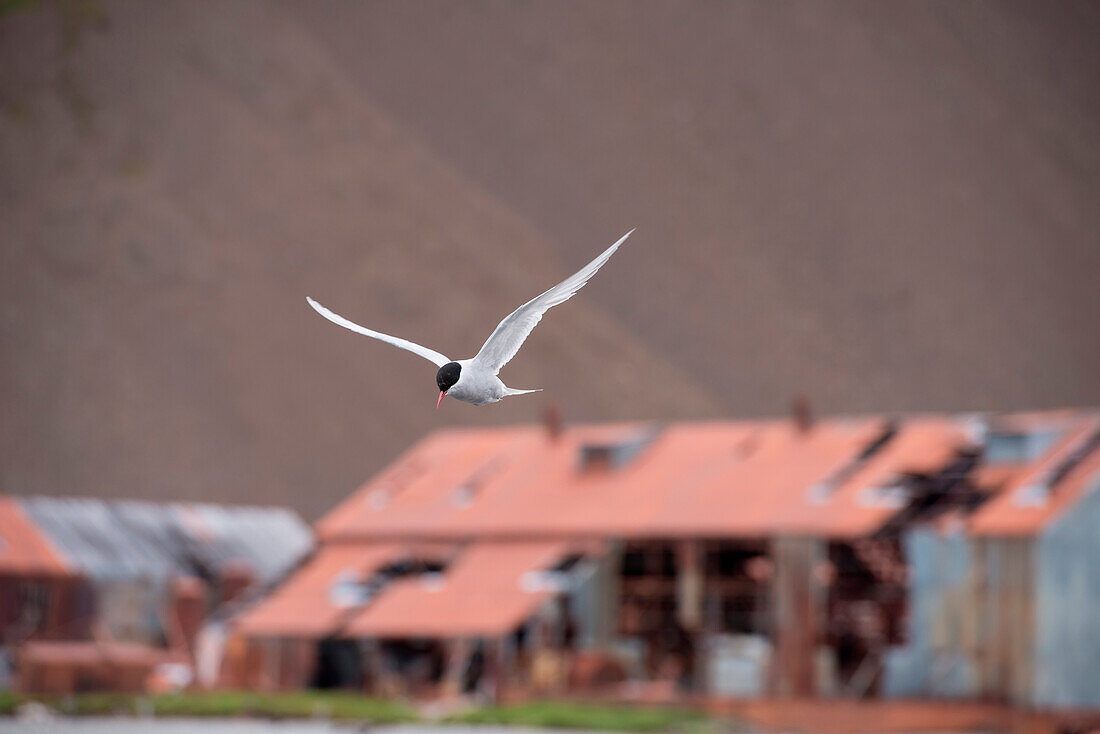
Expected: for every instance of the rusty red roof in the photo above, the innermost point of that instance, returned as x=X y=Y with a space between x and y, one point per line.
x=308 y=604
x=24 y=549
x=861 y=501
x=710 y=479
x=1030 y=494
x=487 y=592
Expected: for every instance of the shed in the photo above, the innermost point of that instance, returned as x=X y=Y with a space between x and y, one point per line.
x=1006 y=601
x=41 y=595
x=130 y=551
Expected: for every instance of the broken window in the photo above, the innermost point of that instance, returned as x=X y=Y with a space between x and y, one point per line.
x=1017 y=447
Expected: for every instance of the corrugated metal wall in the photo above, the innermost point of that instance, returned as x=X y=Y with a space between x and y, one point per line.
x=972 y=619
x=1013 y=619
x=1067 y=650
x=939 y=659
x=116 y=541
x=1004 y=587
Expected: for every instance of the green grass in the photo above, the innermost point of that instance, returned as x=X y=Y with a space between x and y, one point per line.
x=336 y=705
x=351 y=706
x=96 y=704
x=568 y=715
x=9 y=702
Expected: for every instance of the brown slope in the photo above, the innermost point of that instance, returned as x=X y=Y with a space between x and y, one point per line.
x=177 y=178
x=887 y=205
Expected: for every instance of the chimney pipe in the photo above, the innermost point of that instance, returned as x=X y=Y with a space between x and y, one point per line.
x=552 y=420
x=802 y=414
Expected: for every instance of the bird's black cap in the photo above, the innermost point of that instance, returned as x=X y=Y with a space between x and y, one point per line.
x=447 y=376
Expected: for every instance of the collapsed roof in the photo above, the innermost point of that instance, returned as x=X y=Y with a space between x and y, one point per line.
x=122 y=540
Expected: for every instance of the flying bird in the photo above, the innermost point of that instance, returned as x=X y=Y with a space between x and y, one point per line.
x=475 y=380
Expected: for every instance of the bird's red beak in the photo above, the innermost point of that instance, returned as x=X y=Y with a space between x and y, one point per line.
x=441 y=394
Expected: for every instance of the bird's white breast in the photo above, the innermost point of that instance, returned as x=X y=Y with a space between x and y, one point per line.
x=476 y=386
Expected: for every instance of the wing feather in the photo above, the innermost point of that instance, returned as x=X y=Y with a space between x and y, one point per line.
x=510 y=333
x=429 y=354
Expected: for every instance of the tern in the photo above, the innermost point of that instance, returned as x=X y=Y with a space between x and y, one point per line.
x=475 y=380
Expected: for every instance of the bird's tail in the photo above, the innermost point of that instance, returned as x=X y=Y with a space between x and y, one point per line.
x=512 y=391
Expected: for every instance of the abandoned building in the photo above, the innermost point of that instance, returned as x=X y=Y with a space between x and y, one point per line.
x=1005 y=600
x=859 y=557
x=41 y=596
x=105 y=594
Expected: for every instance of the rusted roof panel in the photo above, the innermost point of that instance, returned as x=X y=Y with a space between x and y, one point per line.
x=760 y=490
x=1028 y=496
x=310 y=603
x=484 y=594
x=864 y=500
x=24 y=548
x=720 y=479
x=703 y=479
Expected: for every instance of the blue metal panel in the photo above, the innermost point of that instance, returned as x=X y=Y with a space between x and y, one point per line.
x=934 y=662
x=118 y=541
x=1067 y=667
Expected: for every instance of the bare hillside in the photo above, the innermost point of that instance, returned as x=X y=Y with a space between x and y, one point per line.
x=177 y=177
x=886 y=205
x=882 y=206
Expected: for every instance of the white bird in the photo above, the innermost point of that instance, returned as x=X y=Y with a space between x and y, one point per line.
x=475 y=380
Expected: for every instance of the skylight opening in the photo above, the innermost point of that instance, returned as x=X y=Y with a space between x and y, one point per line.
x=1018 y=447
x=614 y=455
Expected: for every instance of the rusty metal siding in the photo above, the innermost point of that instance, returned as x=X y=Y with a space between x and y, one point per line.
x=1068 y=607
x=939 y=657
x=1004 y=585
x=1014 y=619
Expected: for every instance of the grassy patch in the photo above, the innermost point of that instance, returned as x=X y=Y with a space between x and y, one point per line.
x=336 y=705
x=354 y=707
x=563 y=715
x=9 y=702
x=96 y=704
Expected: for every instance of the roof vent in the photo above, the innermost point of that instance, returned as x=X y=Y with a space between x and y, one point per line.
x=605 y=456
x=976 y=428
x=820 y=492
x=465 y=493
x=463 y=496
x=567 y=574
x=1037 y=492
x=1017 y=447
x=894 y=495
x=1086 y=447
x=433 y=582
x=552 y=421
x=802 y=414
x=348 y=589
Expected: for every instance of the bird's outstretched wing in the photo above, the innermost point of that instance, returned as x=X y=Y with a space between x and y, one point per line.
x=429 y=354
x=510 y=333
